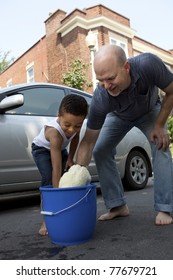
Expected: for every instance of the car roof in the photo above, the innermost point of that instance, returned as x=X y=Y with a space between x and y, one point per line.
x=38 y=84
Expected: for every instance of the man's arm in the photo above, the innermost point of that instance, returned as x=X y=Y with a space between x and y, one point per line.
x=158 y=132
x=86 y=146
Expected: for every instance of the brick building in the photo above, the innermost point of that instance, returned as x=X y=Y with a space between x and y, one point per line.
x=65 y=40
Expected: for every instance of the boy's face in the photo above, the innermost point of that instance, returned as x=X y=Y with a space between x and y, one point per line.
x=70 y=124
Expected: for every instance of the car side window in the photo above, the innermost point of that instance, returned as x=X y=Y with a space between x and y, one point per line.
x=88 y=98
x=40 y=101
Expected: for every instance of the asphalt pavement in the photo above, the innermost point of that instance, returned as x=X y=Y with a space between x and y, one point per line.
x=135 y=237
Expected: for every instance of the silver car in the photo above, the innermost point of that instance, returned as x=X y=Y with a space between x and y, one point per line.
x=23 y=111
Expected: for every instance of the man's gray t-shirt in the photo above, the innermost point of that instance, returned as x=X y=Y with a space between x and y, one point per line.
x=148 y=73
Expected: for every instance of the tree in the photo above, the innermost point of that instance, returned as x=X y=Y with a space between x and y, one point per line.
x=76 y=77
x=5 y=61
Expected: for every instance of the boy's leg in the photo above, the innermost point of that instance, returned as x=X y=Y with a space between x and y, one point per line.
x=43 y=230
x=43 y=161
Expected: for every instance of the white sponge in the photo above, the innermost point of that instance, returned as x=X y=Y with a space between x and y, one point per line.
x=76 y=176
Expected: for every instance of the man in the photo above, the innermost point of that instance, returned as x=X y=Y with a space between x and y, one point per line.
x=127 y=96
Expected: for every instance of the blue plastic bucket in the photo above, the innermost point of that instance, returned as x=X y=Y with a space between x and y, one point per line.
x=69 y=213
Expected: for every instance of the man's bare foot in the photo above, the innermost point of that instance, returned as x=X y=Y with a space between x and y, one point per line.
x=163 y=218
x=43 y=230
x=120 y=211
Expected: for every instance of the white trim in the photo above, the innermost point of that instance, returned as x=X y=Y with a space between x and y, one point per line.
x=141 y=47
x=92 y=53
x=29 y=65
x=94 y=23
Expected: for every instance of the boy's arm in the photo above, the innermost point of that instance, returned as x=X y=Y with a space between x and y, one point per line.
x=56 y=159
x=73 y=147
x=55 y=140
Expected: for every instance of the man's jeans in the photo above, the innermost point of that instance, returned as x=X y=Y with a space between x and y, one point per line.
x=112 y=132
x=43 y=161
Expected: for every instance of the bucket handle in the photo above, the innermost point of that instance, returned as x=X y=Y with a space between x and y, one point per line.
x=67 y=208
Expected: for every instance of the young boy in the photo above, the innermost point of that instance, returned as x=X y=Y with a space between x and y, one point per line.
x=49 y=147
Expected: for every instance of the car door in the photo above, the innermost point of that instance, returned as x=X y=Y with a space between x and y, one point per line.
x=18 y=128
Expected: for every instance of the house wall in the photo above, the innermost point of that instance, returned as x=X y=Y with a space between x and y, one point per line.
x=64 y=48
x=64 y=41
x=17 y=72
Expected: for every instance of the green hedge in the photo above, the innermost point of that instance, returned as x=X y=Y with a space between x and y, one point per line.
x=170 y=128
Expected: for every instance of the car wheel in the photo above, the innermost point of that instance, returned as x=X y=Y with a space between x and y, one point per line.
x=136 y=171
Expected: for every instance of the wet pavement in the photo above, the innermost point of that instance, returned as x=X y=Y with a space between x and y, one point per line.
x=130 y=238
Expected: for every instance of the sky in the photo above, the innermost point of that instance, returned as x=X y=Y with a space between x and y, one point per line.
x=22 y=22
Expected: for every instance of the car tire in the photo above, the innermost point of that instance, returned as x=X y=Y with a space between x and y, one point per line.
x=136 y=171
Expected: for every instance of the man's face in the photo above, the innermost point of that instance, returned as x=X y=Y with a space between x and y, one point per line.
x=114 y=78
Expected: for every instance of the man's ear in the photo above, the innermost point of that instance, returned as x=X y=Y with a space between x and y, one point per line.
x=127 y=66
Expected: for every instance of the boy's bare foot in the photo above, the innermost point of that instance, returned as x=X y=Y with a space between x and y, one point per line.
x=120 y=211
x=43 y=230
x=163 y=218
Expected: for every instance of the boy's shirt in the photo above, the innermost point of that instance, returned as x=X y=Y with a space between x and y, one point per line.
x=41 y=141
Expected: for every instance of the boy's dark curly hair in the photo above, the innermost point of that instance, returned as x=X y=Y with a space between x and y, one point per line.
x=74 y=104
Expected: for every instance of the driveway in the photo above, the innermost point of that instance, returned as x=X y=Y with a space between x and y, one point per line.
x=130 y=238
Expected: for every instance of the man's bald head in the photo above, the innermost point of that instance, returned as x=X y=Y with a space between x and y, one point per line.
x=112 y=69
x=110 y=54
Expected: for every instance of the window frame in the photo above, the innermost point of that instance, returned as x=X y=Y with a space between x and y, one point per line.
x=30 y=78
x=119 y=41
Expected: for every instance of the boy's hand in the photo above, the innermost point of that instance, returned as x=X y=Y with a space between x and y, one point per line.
x=69 y=164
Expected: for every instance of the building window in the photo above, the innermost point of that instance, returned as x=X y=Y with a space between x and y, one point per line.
x=9 y=83
x=120 y=41
x=30 y=73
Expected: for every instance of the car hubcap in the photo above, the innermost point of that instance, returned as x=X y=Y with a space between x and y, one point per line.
x=138 y=170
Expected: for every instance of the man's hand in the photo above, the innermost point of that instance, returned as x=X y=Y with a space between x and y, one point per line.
x=160 y=137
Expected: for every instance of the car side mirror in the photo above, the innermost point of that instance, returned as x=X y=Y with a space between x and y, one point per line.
x=11 y=102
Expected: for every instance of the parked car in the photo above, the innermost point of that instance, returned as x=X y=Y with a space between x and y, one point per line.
x=23 y=111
